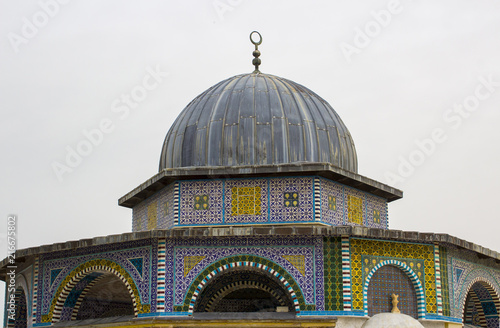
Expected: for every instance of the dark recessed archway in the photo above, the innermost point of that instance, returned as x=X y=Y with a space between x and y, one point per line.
x=107 y=297
x=21 y=310
x=481 y=306
x=244 y=290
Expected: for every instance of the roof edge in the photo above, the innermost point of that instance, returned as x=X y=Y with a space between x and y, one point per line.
x=326 y=170
x=260 y=231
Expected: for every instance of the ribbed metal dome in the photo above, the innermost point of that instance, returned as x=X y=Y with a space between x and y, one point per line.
x=258 y=119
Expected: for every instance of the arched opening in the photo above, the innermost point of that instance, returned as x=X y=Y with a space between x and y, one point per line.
x=106 y=296
x=21 y=310
x=244 y=289
x=386 y=281
x=481 y=306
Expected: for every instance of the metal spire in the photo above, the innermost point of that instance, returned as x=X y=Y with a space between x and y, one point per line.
x=256 y=53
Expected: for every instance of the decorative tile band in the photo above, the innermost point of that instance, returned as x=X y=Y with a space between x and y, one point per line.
x=264 y=200
x=176 y=203
x=346 y=274
x=35 y=290
x=445 y=284
x=413 y=277
x=160 y=299
x=317 y=199
x=439 y=296
x=244 y=264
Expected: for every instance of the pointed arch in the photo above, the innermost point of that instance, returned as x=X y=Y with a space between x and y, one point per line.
x=258 y=264
x=489 y=301
x=84 y=270
x=413 y=278
x=21 y=310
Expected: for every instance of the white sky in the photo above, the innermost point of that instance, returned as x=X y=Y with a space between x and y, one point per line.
x=425 y=57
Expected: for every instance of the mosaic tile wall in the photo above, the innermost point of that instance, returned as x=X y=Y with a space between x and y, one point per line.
x=335 y=209
x=390 y=280
x=259 y=200
x=156 y=212
x=444 y=281
x=464 y=268
x=134 y=258
x=366 y=254
x=297 y=258
x=333 y=274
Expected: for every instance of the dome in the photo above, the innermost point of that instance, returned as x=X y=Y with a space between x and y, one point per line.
x=392 y=320
x=257 y=119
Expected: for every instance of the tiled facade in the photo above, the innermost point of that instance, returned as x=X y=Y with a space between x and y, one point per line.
x=323 y=275
x=259 y=201
x=335 y=275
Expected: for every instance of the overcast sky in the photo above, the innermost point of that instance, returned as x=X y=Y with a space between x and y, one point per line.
x=417 y=83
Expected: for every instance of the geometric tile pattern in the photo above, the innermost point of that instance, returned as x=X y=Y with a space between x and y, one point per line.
x=145 y=216
x=376 y=212
x=53 y=275
x=190 y=262
x=333 y=274
x=444 y=280
x=35 y=291
x=298 y=199
x=386 y=279
x=137 y=263
x=266 y=251
x=160 y=296
x=193 y=193
x=342 y=205
x=355 y=209
x=152 y=215
x=298 y=261
x=332 y=202
x=387 y=250
x=291 y=199
x=317 y=199
x=346 y=274
x=175 y=203
x=245 y=201
x=201 y=202
x=438 y=280
x=258 y=200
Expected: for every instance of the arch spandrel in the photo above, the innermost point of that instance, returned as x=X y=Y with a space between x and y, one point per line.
x=257 y=263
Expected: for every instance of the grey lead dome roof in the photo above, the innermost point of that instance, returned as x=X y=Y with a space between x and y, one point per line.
x=258 y=119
